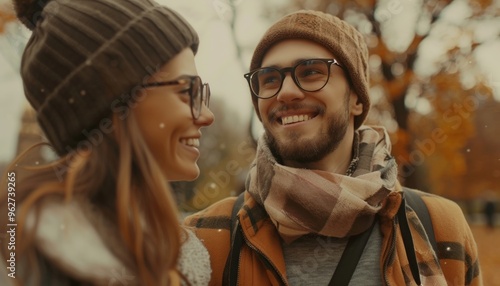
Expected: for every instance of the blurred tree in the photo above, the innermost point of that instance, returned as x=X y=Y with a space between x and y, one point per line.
x=443 y=133
x=226 y=153
x=483 y=153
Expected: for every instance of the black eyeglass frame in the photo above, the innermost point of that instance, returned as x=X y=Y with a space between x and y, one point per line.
x=291 y=70
x=204 y=89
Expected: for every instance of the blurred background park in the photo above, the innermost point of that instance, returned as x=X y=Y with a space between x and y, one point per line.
x=435 y=85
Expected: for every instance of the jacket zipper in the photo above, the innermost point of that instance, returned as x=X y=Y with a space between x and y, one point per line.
x=263 y=256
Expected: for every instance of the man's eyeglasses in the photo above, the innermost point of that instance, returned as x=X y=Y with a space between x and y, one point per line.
x=309 y=75
x=199 y=92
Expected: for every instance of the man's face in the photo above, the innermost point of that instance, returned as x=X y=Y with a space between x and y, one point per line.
x=306 y=127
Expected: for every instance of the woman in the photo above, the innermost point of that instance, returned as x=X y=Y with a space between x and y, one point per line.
x=116 y=91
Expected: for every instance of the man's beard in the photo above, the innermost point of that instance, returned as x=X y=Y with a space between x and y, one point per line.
x=316 y=148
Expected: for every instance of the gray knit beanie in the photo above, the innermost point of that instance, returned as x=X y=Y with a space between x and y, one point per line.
x=342 y=39
x=85 y=55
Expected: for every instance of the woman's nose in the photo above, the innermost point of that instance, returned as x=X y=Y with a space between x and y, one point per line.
x=206 y=116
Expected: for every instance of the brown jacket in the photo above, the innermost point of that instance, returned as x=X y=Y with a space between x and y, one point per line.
x=262 y=262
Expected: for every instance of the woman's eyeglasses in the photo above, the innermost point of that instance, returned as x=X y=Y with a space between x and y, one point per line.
x=199 y=92
x=309 y=75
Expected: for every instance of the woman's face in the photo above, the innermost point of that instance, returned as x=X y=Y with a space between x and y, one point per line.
x=164 y=117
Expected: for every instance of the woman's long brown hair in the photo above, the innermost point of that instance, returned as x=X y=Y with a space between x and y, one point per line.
x=120 y=177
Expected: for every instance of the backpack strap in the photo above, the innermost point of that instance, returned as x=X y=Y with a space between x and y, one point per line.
x=412 y=199
x=408 y=241
x=350 y=258
x=417 y=204
x=230 y=276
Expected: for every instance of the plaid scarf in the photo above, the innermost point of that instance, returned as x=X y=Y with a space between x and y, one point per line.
x=303 y=201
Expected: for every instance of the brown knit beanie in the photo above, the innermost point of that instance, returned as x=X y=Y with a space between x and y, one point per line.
x=343 y=40
x=84 y=56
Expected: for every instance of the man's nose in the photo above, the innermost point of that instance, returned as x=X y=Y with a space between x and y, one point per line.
x=289 y=90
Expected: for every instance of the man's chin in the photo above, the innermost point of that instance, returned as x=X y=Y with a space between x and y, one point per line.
x=291 y=151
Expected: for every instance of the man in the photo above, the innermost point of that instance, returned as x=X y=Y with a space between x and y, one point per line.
x=321 y=180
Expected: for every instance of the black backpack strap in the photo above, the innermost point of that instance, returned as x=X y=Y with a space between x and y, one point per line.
x=230 y=275
x=412 y=199
x=408 y=241
x=418 y=205
x=350 y=258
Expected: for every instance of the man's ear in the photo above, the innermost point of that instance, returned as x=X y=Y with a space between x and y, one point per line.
x=355 y=104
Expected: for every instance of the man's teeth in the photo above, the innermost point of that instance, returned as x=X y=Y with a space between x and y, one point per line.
x=294 y=118
x=195 y=142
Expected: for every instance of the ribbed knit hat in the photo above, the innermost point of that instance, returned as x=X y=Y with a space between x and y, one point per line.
x=343 y=40
x=84 y=56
